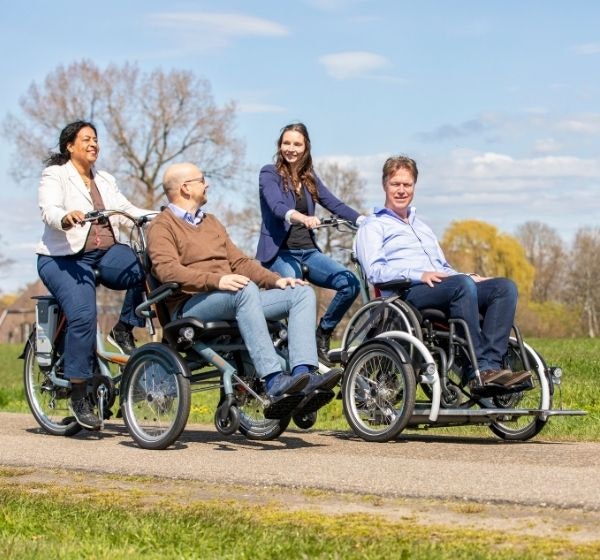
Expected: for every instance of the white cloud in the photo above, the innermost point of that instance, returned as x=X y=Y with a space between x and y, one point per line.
x=216 y=29
x=586 y=124
x=546 y=146
x=353 y=64
x=497 y=188
x=587 y=49
x=232 y=24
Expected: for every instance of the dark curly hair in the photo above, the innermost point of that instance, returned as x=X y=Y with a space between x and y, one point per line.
x=67 y=136
x=301 y=174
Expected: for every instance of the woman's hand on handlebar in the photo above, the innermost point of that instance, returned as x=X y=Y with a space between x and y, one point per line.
x=72 y=218
x=307 y=221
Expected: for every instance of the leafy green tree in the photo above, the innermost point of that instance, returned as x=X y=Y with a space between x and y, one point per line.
x=476 y=246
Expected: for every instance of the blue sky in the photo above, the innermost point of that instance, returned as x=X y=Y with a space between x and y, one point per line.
x=499 y=102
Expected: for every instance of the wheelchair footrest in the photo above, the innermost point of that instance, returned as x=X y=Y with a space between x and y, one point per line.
x=283 y=406
x=314 y=401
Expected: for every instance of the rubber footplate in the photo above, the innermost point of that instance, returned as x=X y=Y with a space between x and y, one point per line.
x=314 y=401
x=282 y=406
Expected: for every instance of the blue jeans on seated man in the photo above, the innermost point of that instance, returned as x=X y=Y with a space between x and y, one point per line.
x=71 y=280
x=250 y=307
x=460 y=297
x=323 y=272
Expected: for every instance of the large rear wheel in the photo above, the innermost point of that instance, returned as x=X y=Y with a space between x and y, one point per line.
x=378 y=390
x=48 y=402
x=156 y=396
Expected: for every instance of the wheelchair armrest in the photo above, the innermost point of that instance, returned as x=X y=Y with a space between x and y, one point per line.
x=394 y=285
x=144 y=309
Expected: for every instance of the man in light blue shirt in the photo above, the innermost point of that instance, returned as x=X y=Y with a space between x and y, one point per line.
x=393 y=244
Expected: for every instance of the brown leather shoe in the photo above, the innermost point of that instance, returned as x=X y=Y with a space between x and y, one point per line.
x=515 y=377
x=493 y=375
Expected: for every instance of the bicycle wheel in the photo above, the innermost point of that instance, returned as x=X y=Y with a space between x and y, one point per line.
x=522 y=428
x=378 y=390
x=253 y=424
x=156 y=397
x=48 y=402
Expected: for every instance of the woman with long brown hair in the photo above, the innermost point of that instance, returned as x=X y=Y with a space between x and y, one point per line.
x=289 y=192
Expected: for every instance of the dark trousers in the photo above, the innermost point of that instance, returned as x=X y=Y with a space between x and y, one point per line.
x=72 y=281
x=459 y=296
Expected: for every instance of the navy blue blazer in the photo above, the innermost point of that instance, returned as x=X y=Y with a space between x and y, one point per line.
x=275 y=203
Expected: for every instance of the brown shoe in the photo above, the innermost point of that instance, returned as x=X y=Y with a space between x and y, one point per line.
x=494 y=376
x=515 y=377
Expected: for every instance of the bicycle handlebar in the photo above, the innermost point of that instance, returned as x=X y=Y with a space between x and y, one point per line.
x=336 y=223
x=101 y=216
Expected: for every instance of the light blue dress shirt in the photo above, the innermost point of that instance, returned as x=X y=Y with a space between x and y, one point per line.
x=193 y=219
x=388 y=248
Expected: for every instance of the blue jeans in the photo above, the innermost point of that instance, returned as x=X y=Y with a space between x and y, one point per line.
x=250 y=307
x=71 y=280
x=323 y=272
x=461 y=297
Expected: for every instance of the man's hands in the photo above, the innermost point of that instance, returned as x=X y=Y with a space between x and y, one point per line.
x=235 y=282
x=430 y=277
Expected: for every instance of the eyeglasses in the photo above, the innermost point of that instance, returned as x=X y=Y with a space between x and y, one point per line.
x=197 y=179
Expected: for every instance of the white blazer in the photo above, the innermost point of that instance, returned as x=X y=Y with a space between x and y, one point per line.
x=62 y=190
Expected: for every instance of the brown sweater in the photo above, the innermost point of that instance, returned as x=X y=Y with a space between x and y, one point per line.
x=197 y=257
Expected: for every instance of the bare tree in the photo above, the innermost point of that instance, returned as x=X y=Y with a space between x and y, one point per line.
x=583 y=281
x=146 y=121
x=348 y=186
x=545 y=250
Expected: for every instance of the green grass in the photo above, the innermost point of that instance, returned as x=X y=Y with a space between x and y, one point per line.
x=44 y=521
x=579 y=358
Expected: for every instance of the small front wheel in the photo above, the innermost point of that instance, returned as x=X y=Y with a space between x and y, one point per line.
x=156 y=396
x=378 y=390
x=304 y=421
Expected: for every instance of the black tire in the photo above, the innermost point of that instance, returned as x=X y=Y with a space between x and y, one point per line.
x=378 y=390
x=305 y=421
x=522 y=428
x=156 y=396
x=49 y=403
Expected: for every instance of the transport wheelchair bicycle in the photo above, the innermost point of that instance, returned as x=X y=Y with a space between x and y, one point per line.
x=153 y=386
x=407 y=368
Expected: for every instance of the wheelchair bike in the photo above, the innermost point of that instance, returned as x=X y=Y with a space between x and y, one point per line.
x=153 y=386
x=407 y=368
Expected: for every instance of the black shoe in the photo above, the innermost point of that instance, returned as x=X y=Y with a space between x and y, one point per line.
x=284 y=383
x=323 y=341
x=84 y=414
x=323 y=382
x=122 y=339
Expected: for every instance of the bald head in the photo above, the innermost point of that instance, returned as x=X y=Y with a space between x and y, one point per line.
x=175 y=175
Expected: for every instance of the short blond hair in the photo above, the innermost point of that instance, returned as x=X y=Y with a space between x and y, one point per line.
x=392 y=164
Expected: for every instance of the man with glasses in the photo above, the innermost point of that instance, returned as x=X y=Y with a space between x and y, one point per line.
x=219 y=282
x=393 y=244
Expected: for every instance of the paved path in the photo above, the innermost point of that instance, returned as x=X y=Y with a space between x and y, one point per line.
x=533 y=473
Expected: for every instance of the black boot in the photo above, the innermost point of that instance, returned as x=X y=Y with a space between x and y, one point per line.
x=323 y=339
